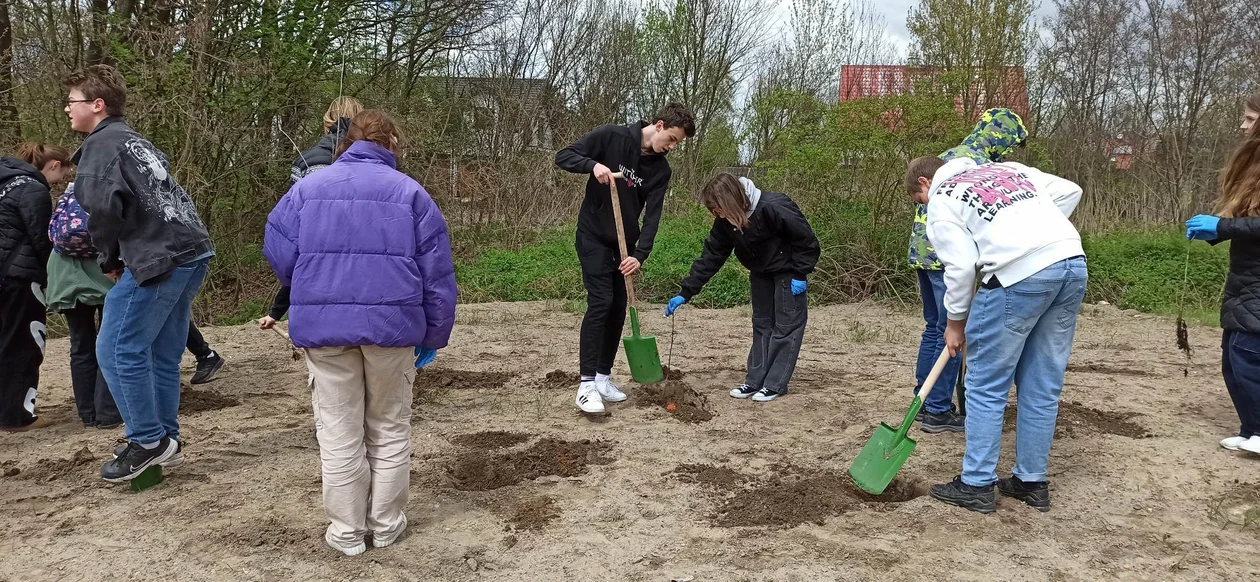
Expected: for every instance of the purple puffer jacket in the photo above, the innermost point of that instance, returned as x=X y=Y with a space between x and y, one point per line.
x=366 y=251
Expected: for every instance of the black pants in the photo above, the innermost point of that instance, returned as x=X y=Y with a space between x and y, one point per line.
x=22 y=332
x=197 y=344
x=605 y=306
x=91 y=393
x=1240 y=366
x=778 y=319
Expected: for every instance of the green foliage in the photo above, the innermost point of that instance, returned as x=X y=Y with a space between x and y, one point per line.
x=1157 y=271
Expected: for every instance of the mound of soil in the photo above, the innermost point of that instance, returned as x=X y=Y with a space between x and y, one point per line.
x=672 y=374
x=709 y=476
x=560 y=380
x=196 y=401
x=1077 y=420
x=679 y=399
x=53 y=469
x=441 y=378
x=534 y=513
x=548 y=456
x=491 y=439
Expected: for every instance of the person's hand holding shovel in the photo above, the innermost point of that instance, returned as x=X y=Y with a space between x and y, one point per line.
x=955 y=336
x=266 y=322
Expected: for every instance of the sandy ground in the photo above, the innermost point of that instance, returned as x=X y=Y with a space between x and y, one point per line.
x=510 y=482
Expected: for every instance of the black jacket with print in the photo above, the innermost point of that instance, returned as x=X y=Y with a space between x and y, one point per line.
x=619 y=147
x=141 y=217
x=1240 y=304
x=777 y=241
x=320 y=156
x=25 y=209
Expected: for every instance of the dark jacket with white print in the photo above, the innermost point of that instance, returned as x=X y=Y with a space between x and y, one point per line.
x=141 y=217
x=320 y=156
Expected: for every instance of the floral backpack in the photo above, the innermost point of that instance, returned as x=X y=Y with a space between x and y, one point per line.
x=68 y=228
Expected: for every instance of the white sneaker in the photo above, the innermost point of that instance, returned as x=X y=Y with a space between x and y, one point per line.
x=384 y=541
x=1233 y=443
x=765 y=395
x=588 y=399
x=743 y=391
x=609 y=391
x=1251 y=445
x=353 y=551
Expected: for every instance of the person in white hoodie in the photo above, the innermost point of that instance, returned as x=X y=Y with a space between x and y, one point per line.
x=1010 y=221
x=770 y=237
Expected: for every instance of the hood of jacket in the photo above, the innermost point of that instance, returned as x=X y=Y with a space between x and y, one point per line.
x=752 y=192
x=997 y=134
x=11 y=168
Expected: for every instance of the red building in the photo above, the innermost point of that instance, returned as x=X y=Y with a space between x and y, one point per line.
x=861 y=81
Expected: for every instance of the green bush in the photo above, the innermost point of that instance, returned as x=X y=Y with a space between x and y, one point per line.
x=1157 y=271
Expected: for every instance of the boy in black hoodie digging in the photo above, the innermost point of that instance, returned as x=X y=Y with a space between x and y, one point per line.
x=772 y=239
x=637 y=151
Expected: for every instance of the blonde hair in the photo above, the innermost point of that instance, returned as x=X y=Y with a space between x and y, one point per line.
x=1240 y=183
x=340 y=107
x=38 y=155
x=725 y=193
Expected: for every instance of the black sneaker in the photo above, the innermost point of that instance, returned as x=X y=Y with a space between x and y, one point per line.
x=176 y=459
x=948 y=421
x=919 y=416
x=208 y=368
x=109 y=424
x=135 y=459
x=1034 y=493
x=743 y=391
x=978 y=499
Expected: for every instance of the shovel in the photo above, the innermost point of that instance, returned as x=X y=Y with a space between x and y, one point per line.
x=888 y=449
x=641 y=353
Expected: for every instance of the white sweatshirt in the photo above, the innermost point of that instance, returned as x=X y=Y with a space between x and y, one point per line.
x=1009 y=219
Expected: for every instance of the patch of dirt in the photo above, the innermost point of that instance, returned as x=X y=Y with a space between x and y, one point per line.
x=548 y=456
x=672 y=374
x=444 y=379
x=534 y=513
x=679 y=399
x=196 y=401
x=269 y=531
x=1077 y=418
x=1106 y=370
x=791 y=498
x=560 y=380
x=53 y=469
x=1238 y=506
x=491 y=439
x=709 y=476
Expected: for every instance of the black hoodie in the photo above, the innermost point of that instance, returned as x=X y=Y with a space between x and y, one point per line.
x=620 y=148
x=320 y=156
x=25 y=210
x=141 y=217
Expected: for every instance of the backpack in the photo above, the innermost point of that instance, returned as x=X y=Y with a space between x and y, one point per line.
x=68 y=228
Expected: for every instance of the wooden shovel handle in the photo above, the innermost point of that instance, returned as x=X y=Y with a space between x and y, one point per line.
x=621 y=235
x=937 y=368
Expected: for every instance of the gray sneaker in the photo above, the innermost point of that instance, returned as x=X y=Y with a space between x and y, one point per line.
x=948 y=421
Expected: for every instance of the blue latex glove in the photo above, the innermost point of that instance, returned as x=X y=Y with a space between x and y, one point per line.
x=1202 y=227
x=798 y=287
x=674 y=304
x=424 y=356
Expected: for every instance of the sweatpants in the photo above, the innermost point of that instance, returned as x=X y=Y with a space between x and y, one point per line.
x=605 y=306
x=22 y=333
x=91 y=393
x=362 y=402
x=778 y=319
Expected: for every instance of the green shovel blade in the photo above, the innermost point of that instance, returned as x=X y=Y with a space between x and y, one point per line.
x=883 y=455
x=641 y=353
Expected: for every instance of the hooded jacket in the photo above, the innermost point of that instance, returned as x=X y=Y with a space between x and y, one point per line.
x=998 y=132
x=141 y=217
x=366 y=252
x=641 y=190
x=320 y=156
x=777 y=241
x=1240 y=303
x=25 y=209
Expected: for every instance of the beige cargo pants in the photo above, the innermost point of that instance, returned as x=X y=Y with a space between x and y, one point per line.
x=362 y=402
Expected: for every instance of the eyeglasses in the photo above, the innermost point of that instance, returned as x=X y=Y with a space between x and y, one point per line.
x=70 y=102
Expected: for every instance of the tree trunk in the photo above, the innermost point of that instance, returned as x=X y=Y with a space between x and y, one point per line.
x=10 y=130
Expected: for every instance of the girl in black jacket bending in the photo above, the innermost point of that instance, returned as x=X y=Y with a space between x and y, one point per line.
x=1237 y=220
x=772 y=239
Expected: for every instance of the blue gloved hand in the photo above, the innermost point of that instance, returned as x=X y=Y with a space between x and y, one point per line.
x=424 y=356
x=674 y=304
x=798 y=287
x=1202 y=227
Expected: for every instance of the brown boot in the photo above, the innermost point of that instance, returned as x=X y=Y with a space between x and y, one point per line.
x=39 y=422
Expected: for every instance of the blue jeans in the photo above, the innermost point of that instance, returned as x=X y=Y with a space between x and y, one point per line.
x=1240 y=366
x=1021 y=333
x=932 y=292
x=142 y=338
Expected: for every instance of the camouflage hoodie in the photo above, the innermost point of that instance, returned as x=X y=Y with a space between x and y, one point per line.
x=997 y=133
